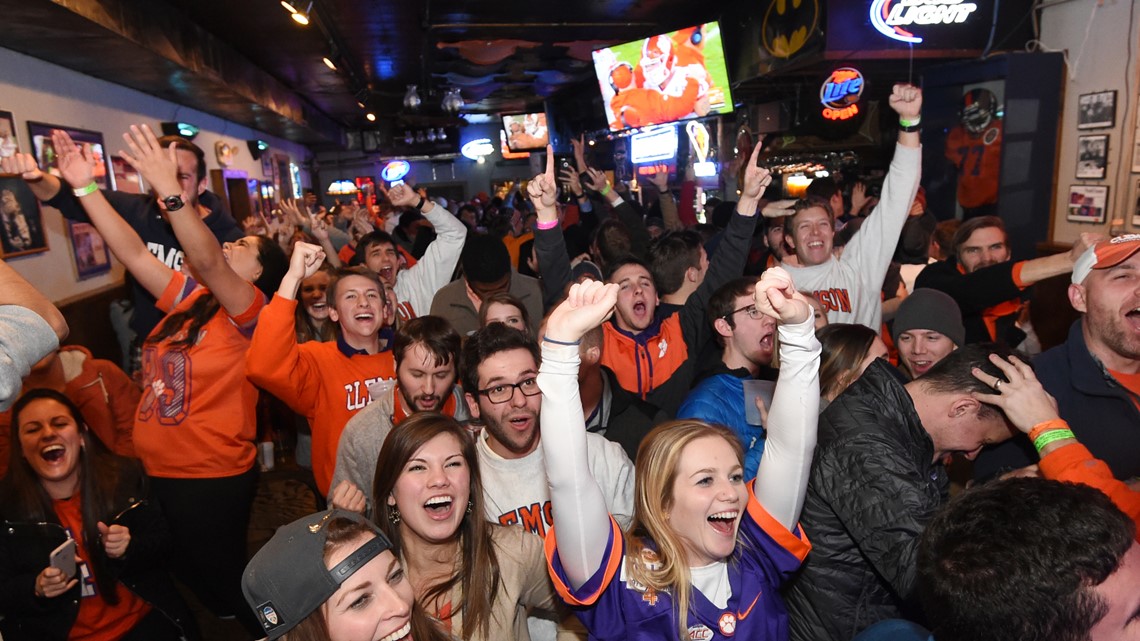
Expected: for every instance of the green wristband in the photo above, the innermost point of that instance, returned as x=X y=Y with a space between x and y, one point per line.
x=83 y=191
x=910 y=123
x=1052 y=436
x=607 y=189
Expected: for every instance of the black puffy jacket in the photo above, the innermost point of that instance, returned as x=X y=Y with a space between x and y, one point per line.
x=873 y=488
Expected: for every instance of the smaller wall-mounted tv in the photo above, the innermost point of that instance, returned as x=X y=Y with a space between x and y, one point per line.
x=664 y=78
x=526 y=131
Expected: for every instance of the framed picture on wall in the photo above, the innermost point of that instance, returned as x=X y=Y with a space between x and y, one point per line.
x=1088 y=203
x=1134 y=202
x=8 y=142
x=90 y=253
x=90 y=141
x=266 y=164
x=21 y=221
x=127 y=178
x=1092 y=156
x=1096 y=110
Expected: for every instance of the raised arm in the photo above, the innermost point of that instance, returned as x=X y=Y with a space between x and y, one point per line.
x=159 y=167
x=14 y=290
x=77 y=168
x=581 y=521
x=549 y=243
x=793 y=420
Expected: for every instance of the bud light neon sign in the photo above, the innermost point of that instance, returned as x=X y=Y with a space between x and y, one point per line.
x=840 y=92
x=890 y=16
x=395 y=170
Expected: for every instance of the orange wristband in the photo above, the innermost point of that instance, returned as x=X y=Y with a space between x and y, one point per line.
x=1047 y=426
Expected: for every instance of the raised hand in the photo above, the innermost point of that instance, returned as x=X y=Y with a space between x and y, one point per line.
x=596 y=180
x=52 y=582
x=1083 y=242
x=306 y=260
x=115 y=539
x=292 y=212
x=906 y=100
x=362 y=222
x=570 y=177
x=158 y=166
x=776 y=296
x=76 y=166
x=23 y=165
x=588 y=305
x=542 y=190
x=579 y=146
x=660 y=178
x=403 y=196
x=346 y=496
x=319 y=228
x=1021 y=396
x=858 y=197
x=756 y=179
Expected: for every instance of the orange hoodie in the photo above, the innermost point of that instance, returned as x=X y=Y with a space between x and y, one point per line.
x=316 y=380
x=1074 y=463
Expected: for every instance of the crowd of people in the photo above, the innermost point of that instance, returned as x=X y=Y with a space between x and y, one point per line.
x=529 y=417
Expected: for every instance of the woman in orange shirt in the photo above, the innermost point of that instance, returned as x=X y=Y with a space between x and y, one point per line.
x=196 y=421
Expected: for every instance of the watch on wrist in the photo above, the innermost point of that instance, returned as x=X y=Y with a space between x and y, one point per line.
x=173 y=203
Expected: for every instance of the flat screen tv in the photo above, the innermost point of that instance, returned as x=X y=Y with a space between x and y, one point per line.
x=526 y=131
x=664 y=78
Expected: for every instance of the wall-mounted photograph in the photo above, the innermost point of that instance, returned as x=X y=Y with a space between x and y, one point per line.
x=1092 y=156
x=1087 y=203
x=1096 y=110
x=21 y=222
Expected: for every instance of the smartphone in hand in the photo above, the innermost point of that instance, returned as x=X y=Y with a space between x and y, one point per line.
x=63 y=558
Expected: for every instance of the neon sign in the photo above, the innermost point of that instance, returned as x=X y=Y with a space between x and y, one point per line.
x=478 y=148
x=890 y=16
x=395 y=170
x=839 y=93
x=653 y=145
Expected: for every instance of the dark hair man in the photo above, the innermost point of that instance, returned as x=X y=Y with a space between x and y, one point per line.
x=1095 y=374
x=1029 y=559
x=877 y=479
x=146 y=214
x=678 y=263
x=486 y=271
x=417 y=285
x=988 y=286
x=427 y=363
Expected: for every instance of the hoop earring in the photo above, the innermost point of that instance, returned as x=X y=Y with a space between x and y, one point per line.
x=394 y=515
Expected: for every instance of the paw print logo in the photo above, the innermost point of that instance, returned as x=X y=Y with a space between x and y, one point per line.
x=158 y=387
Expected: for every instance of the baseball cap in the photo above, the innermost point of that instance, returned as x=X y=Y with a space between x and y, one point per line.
x=1105 y=254
x=287 y=580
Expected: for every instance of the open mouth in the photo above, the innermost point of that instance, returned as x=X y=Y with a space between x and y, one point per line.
x=386 y=273
x=767 y=342
x=427 y=402
x=53 y=453
x=519 y=422
x=319 y=307
x=723 y=522
x=639 y=308
x=438 y=505
x=399 y=634
x=365 y=317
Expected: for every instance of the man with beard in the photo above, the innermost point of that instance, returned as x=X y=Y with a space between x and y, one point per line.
x=415 y=286
x=427 y=357
x=747 y=338
x=988 y=286
x=329 y=382
x=500 y=366
x=1095 y=374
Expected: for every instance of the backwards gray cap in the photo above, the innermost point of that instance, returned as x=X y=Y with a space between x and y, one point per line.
x=287 y=579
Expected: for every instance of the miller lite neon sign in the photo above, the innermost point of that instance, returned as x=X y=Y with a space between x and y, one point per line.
x=890 y=16
x=840 y=93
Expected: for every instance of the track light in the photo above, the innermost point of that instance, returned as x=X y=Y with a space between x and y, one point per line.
x=184 y=129
x=412 y=98
x=256 y=148
x=302 y=17
x=452 y=100
x=370 y=116
x=329 y=63
x=288 y=6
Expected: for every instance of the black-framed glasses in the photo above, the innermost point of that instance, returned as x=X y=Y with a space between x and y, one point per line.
x=504 y=392
x=753 y=312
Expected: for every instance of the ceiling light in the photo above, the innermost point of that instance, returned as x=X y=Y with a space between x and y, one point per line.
x=288 y=6
x=184 y=129
x=256 y=148
x=360 y=103
x=329 y=63
x=370 y=116
x=302 y=17
x=452 y=101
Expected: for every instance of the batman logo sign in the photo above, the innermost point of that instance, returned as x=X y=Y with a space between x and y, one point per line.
x=788 y=24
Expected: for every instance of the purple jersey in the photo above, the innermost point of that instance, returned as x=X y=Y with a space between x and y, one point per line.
x=614 y=606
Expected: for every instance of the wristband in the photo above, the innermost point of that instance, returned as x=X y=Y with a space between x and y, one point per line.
x=605 y=190
x=83 y=191
x=554 y=342
x=1052 y=436
x=546 y=224
x=419 y=205
x=910 y=125
x=1047 y=426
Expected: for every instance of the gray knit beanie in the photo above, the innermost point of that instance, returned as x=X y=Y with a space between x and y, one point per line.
x=933 y=310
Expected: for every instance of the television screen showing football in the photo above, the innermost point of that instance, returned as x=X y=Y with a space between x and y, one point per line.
x=664 y=78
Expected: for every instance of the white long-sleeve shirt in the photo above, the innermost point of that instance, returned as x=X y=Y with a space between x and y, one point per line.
x=416 y=286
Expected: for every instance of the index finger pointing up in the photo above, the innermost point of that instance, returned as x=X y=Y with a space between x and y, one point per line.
x=756 y=152
x=550 y=161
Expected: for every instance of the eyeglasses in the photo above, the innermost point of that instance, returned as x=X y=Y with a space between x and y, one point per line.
x=506 y=391
x=753 y=312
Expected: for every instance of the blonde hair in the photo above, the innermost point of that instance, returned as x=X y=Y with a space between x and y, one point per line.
x=658 y=459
